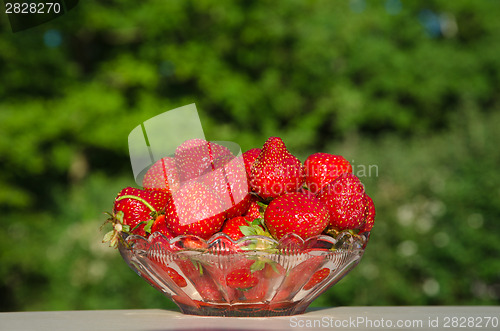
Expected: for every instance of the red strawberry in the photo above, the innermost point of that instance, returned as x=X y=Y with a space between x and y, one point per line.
x=217 y=150
x=193 y=157
x=253 y=211
x=297 y=277
x=345 y=199
x=134 y=211
x=267 y=276
x=276 y=171
x=241 y=279
x=249 y=158
x=162 y=176
x=296 y=212
x=231 y=183
x=158 y=241
x=258 y=292
x=160 y=225
x=217 y=274
x=201 y=280
x=322 y=168
x=208 y=289
x=241 y=226
x=307 y=192
x=231 y=227
x=273 y=270
x=188 y=242
x=139 y=206
x=370 y=215
x=178 y=279
x=239 y=187
x=317 y=278
x=215 y=179
x=194 y=209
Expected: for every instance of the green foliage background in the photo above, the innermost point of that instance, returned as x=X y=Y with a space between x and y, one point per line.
x=406 y=89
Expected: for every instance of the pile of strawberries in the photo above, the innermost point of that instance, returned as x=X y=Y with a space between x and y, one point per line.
x=204 y=189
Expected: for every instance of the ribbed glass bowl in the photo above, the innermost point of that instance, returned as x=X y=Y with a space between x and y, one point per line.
x=277 y=278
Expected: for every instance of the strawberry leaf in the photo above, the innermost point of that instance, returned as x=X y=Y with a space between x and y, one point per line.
x=261 y=232
x=248 y=230
x=244 y=289
x=198 y=266
x=257 y=265
x=119 y=216
x=114 y=241
x=255 y=222
x=108 y=236
x=138 y=225
x=148 y=226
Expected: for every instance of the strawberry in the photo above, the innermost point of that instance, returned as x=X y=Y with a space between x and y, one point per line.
x=273 y=270
x=249 y=158
x=239 y=187
x=194 y=209
x=275 y=171
x=323 y=168
x=253 y=210
x=162 y=176
x=258 y=292
x=215 y=179
x=317 y=278
x=229 y=177
x=134 y=211
x=197 y=275
x=216 y=273
x=345 y=199
x=178 y=279
x=254 y=276
x=242 y=275
x=157 y=240
x=193 y=157
x=208 y=289
x=160 y=225
x=307 y=192
x=241 y=226
x=268 y=276
x=193 y=243
x=188 y=242
x=296 y=212
x=370 y=216
x=297 y=277
x=241 y=279
x=231 y=227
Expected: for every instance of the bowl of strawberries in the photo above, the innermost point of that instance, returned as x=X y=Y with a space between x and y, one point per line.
x=253 y=234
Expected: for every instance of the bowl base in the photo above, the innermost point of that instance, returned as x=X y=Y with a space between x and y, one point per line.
x=242 y=310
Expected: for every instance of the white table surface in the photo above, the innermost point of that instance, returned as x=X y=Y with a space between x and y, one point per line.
x=338 y=318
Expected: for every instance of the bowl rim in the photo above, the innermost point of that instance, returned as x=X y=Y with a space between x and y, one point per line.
x=345 y=240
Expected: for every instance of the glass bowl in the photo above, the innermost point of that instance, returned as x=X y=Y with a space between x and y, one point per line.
x=253 y=276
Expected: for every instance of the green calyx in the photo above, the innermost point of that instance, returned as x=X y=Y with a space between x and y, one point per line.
x=114 y=236
x=256 y=227
x=261 y=262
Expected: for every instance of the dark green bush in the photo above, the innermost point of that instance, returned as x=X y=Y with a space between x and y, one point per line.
x=410 y=89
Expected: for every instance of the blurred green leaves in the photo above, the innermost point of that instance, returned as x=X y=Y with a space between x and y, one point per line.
x=407 y=87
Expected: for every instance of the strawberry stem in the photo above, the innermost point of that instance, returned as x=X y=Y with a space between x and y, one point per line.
x=147 y=204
